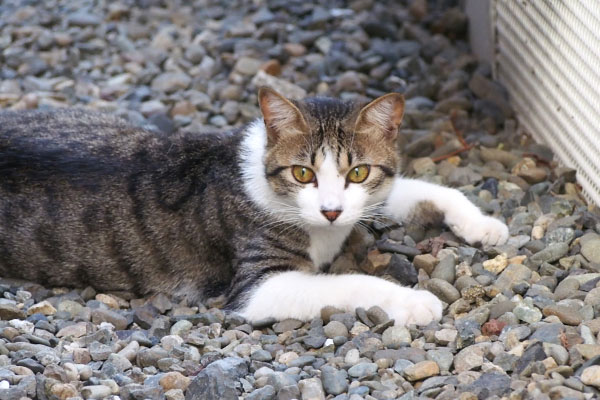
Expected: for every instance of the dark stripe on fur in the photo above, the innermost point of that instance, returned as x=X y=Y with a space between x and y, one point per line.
x=236 y=298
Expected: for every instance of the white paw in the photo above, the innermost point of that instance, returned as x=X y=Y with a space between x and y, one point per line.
x=420 y=308
x=480 y=228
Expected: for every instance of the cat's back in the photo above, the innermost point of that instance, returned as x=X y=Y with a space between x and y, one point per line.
x=70 y=132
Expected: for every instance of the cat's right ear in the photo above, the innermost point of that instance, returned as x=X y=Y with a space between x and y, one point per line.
x=281 y=116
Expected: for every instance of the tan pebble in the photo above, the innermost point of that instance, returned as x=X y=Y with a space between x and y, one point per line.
x=109 y=300
x=537 y=232
x=497 y=264
x=77 y=330
x=421 y=370
x=64 y=390
x=174 y=394
x=517 y=259
x=18 y=370
x=183 y=107
x=426 y=262
x=43 y=307
x=454 y=160
x=591 y=376
x=288 y=357
x=81 y=356
x=376 y=262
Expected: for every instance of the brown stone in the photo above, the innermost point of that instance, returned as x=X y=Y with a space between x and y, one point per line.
x=426 y=262
x=376 y=262
x=421 y=370
x=64 y=390
x=183 y=107
x=174 y=380
x=492 y=327
x=272 y=67
x=567 y=315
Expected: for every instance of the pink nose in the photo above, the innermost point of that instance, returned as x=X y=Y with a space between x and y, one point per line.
x=331 y=215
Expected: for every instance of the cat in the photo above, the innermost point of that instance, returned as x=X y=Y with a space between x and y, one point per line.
x=254 y=214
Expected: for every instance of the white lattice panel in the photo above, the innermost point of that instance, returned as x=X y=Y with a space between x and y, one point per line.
x=548 y=57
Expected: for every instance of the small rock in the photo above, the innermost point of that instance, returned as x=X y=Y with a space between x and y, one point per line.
x=363 y=370
x=334 y=381
x=311 y=389
x=395 y=336
x=335 y=328
x=527 y=312
x=43 y=307
x=567 y=315
x=442 y=289
x=426 y=262
x=174 y=380
x=591 y=376
x=497 y=264
x=421 y=370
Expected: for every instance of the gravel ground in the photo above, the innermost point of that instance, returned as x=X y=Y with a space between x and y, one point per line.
x=522 y=320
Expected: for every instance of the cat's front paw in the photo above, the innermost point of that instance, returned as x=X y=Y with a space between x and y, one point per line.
x=419 y=308
x=482 y=229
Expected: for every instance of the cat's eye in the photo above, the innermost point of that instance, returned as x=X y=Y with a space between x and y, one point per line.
x=359 y=173
x=303 y=174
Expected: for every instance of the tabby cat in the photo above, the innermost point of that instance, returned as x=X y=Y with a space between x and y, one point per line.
x=254 y=214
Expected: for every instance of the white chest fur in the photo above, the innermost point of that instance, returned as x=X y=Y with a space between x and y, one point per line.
x=326 y=243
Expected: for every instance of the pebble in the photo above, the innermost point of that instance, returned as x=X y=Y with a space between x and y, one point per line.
x=421 y=370
x=395 y=337
x=335 y=381
x=591 y=376
x=444 y=290
x=362 y=370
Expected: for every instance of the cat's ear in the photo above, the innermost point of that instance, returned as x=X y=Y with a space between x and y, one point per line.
x=382 y=116
x=281 y=116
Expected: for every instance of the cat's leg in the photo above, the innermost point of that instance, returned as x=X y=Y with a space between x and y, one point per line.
x=301 y=296
x=462 y=216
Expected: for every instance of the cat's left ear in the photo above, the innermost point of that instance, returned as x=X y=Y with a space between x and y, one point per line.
x=383 y=115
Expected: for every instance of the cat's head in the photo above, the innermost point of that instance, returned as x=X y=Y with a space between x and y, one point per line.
x=329 y=162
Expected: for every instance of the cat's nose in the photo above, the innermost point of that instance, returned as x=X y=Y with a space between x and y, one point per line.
x=331 y=215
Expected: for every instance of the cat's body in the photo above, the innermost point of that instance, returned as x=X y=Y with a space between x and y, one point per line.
x=86 y=199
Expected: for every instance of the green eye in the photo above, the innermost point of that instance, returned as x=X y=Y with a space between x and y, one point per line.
x=303 y=174
x=359 y=173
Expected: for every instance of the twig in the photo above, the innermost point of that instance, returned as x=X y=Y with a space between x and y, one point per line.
x=459 y=135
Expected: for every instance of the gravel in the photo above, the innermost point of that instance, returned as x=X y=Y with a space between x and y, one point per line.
x=522 y=319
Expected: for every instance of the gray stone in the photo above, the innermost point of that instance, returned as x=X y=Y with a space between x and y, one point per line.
x=363 y=370
x=335 y=328
x=527 y=312
x=334 y=381
x=169 y=82
x=396 y=336
x=550 y=254
x=264 y=393
x=512 y=274
x=287 y=325
x=100 y=315
x=442 y=289
x=401 y=364
x=311 y=389
x=446 y=269
x=590 y=247
x=261 y=355
x=218 y=380
x=377 y=315
x=535 y=352
x=443 y=358
x=490 y=384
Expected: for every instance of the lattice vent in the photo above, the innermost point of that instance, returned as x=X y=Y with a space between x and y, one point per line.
x=548 y=57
